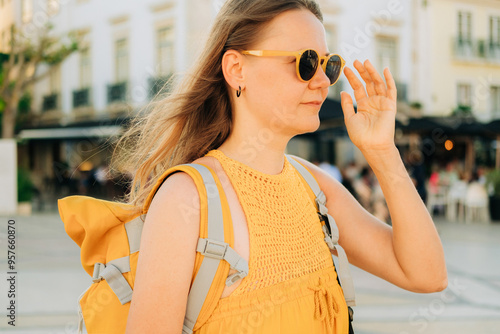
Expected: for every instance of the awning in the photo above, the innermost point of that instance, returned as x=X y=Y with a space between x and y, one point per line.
x=451 y=126
x=104 y=131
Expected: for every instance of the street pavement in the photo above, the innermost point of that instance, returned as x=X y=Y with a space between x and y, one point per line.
x=50 y=279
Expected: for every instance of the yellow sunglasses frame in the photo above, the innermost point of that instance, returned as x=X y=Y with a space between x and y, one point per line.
x=298 y=55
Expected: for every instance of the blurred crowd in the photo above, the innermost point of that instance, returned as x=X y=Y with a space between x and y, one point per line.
x=445 y=188
x=362 y=184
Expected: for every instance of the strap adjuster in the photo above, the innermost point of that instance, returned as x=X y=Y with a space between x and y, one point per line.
x=213 y=249
x=328 y=237
x=351 y=313
x=231 y=279
x=96 y=276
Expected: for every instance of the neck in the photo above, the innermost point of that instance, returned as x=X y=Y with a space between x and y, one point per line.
x=257 y=148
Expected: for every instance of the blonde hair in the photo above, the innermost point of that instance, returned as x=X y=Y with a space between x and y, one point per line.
x=196 y=117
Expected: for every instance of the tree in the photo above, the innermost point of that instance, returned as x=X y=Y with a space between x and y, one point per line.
x=19 y=68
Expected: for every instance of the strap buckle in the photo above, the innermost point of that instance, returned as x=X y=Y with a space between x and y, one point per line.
x=235 y=277
x=96 y=276
x=351 y=313
x=214 y=249
x=328 y=237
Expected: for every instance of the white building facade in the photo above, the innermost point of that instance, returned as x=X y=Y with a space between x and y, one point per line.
x=129 y=45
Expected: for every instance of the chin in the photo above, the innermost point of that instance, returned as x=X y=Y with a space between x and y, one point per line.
x=309 y=124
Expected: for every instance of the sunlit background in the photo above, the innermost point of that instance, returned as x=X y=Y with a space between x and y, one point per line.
x=73 y=72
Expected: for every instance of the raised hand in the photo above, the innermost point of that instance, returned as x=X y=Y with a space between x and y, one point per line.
x=371 y=129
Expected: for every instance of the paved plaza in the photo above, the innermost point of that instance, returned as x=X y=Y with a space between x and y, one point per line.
x=50 y=280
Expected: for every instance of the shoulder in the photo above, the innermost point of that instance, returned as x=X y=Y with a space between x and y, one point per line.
x=327 y=183
x=179 y=189
x=318 y=172
x=169 y=240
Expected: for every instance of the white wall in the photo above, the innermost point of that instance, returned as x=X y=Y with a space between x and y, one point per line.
x=8 y=177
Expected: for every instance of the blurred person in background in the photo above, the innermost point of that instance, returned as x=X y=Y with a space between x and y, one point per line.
x=331 y=169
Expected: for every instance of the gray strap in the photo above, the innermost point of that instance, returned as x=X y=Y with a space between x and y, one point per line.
x=345 y=276
x=187 y=330
x=134 y=232
x=306 y=175
x=117 y=283
x=221 y=250
x=206 y=274
x=112 y=273
x=122 y=264
x=331 y=238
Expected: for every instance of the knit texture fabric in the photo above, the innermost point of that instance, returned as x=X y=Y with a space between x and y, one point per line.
x=286 y=239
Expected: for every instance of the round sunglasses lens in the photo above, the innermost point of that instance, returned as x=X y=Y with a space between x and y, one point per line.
x=308 y=64
x=333 y=68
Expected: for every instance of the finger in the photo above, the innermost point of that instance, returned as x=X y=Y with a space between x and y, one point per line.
x=370 y=86
x=392 y=91
x=380 y=86
x=347 y=105
x=359 y=89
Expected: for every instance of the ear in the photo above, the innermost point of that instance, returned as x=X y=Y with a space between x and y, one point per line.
x=232 y=68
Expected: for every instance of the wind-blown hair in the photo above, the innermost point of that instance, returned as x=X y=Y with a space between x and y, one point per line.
x=196 y=116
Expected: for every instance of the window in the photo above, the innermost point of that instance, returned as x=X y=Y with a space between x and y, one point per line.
x=166 y=56
x=464 y=95
x=85 y=68
x=464 y=27
x=55 y=79
x=121 y=63
x=495 y=31
x=51 y=101
x=495 y=100
x=387 y=55
x=52 y=7
x=27 y=10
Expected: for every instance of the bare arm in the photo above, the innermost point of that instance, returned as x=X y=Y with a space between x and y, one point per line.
x=409 y=254
x=166 y=259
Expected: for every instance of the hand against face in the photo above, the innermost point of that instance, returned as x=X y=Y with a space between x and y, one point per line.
x=371 y=129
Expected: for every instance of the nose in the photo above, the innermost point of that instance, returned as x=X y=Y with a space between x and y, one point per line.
x=319 y=80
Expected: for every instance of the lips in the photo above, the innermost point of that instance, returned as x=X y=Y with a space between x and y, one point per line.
x=314 y=103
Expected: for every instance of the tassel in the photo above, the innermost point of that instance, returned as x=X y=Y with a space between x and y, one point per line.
x=325 y=306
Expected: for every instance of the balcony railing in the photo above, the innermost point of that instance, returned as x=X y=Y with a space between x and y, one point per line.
x=81 y=98
x=117 y=92
x=478 y=49
x=462 y=110
x=50 y=102
x=159 y=85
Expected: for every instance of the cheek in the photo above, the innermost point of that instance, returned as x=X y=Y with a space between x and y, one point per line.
x=277 y=84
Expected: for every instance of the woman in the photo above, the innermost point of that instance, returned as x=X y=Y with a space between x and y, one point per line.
x=236 y=113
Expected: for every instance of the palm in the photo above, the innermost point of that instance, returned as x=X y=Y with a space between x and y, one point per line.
x=372 y=127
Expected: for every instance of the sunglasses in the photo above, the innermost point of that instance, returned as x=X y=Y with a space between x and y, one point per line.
x=307 y=62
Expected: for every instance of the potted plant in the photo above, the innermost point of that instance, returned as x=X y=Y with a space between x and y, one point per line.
x=493 y=187
x=24 y=192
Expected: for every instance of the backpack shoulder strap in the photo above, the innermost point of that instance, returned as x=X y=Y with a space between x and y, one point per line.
x=332 y=236
x=215 y=244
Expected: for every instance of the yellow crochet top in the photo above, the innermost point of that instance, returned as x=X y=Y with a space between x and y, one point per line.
x=286 y=239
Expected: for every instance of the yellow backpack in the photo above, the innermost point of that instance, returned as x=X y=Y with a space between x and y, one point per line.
x=109 y=234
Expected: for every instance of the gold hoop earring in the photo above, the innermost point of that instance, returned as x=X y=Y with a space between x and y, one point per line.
x=238 y=92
